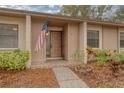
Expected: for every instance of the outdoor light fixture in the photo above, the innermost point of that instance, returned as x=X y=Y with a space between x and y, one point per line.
x=47 y=33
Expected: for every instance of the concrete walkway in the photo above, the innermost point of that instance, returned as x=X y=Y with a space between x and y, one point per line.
x=68 y=79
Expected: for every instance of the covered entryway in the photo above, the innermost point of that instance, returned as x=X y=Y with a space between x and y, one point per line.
x=61 y=42
x=54 y=45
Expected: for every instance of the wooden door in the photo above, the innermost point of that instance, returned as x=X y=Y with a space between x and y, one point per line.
x=56 y=44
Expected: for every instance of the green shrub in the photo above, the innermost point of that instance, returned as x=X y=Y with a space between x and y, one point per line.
x=101 y=59
x=16 y=59
x=78 y=55
x=100 y=56
x=118 y=57
x=99 y=53
x=108 y=52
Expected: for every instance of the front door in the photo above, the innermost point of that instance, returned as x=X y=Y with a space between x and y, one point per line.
x=54 y=44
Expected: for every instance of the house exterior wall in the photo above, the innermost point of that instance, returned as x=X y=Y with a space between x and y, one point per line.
x=65 y=42
x=21 y=28
x=110 y=37
x=73 y=39
x=37 y=57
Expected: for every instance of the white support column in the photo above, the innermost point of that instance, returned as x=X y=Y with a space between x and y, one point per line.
x=83 y=39
x=28 y=36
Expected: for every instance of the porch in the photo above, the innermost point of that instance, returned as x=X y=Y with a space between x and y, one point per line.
x=63 y=39
x=55 y=63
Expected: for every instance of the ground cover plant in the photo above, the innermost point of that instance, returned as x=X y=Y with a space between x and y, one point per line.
x=105 y=68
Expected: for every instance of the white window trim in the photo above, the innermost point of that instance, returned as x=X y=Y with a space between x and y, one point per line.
x=100 y=38
x=120 y=49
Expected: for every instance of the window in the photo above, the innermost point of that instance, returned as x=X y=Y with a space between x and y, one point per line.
x=93 y=38
x=8 y=36
x=121 y=39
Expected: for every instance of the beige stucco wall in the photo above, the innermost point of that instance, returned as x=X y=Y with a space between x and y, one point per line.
x=73 y=39
x=37 y=57
x=21 y=25
x=65 y=41
x=110 y=38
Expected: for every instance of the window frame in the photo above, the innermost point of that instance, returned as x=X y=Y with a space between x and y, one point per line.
x=120 y=49
x=100 y=38
x=17 y=37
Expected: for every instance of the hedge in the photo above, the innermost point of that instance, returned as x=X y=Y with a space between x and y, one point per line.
x=16 y=59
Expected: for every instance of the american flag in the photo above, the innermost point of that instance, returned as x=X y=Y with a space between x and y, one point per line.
x=41 y=37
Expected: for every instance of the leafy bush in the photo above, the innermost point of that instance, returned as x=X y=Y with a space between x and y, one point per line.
x=90 y=51
x=78 y=55
x=101 y=56
x=118 y=57
x=115 y=64
x=16 y=59
x=108 y=52
x=99 y=53
x=101 y=60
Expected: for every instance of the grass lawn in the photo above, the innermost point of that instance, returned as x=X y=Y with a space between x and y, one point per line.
x=96 y=75
x=35 y=78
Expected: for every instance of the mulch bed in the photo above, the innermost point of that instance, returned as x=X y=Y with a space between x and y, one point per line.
x=101 y=76
x=30 y=78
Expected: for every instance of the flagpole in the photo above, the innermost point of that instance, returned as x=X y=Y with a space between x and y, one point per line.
x=45 y=42
x=44 y=47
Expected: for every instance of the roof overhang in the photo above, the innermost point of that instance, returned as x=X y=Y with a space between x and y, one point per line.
x=22 y=13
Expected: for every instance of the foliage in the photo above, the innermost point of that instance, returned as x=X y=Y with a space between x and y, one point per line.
x=78 y=55
x=76 y=10
x=115 y=64
x=99 y=53
x=99 y=12
x=95 y=12
x=118 y=57
x=87 y=11
x=101 y=60
x=108 y=52
x=90 y=51
x=119 y=17
x=101 y=56
x=16 y=59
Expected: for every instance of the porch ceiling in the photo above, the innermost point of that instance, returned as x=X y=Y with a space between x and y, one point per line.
x=52 y=22
x=57 y=23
